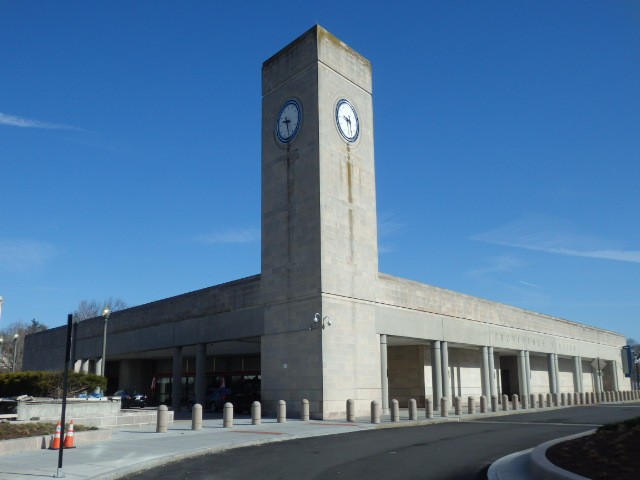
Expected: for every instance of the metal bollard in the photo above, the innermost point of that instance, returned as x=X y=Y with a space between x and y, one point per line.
x=162 y=419
x=375 y=411
x=227 y=415
x=444 y=407
x=494 y=403
x=428 y=407
x=457 y=406
x=256 y=413
x=515 y=404
x=351 y=411
x=304 y=412
x=505 y=403
x=532 y=398
x=413 y=409
x=471 y=405
x=395 y=411
x=196 y=417
x=282 y=411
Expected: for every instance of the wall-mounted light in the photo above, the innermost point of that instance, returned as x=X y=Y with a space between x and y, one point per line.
x=320 y=320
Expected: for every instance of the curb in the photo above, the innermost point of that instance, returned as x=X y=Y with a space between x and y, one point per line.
x=543 y=469
x=40 y=442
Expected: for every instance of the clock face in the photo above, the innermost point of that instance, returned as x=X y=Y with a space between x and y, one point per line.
x=289 y=120
x=347 y=121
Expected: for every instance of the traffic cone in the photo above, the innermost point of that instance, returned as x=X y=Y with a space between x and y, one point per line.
x=69 y=439
x=55 y=445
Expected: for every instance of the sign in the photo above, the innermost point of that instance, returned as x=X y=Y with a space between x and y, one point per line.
x=598 y=364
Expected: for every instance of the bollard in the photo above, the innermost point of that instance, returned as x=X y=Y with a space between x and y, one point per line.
x=505 y=403
x=514 y=402
x=533 y=400
x=227 y=415
x=375 y=411
x=351 y=411
x=444 y=407
x=282 y=411
x=304 y=412
x=494 y=403
x=457 y=406
x=569 y=399
x=428 y=407
x=549 y=403
x=593 y=397
x=581 y=398
x=395 y=411
x=576 y=398
x=413 y=409
x=256 y=413
x=524 y=404
x=563 y=399
x=540 y=400
x=163 y=419
x=555 y=399
x=471 y=406
x=196 y=417
x=483 y=403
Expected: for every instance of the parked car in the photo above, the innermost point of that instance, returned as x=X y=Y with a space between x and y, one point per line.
x=215 y=399
x=130 y=398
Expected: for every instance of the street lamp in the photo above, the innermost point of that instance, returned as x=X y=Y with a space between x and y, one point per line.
x=1 y=342
x=106 y=311
x=15 y=351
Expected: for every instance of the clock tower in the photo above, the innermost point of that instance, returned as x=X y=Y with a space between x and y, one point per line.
x=319 y=228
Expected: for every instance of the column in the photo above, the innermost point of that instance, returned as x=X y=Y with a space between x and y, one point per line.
x=493 y=380
x=201 y=374
x=552 y=373
x=614 y=369
x=84 y=368
x=527 y=365
x=576 y=374
x=384 y=374
x=176 y=387
x=522 y=374
x=557 y=369
x=446 y=381
x=485 y=373
x=99 y=366
x=580 y=384
x=436 y=373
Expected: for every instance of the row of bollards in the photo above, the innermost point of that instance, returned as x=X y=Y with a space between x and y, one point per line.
x=539 y=400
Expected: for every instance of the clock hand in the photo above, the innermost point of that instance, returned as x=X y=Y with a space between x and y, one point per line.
x=286 y=121
x=348 y=123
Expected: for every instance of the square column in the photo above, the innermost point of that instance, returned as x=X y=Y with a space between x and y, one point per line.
x=176 y=384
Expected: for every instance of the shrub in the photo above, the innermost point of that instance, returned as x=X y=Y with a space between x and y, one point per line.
x=47 y=383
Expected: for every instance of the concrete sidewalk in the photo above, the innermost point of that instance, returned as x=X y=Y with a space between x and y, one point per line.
x=134 y=449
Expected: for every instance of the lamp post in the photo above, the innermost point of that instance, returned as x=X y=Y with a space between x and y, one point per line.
x=1 y=362
x=106 y=311
x=15 y=351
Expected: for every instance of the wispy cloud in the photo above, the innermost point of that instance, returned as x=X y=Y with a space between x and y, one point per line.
x=20 y=256
x=552 y=235
x=388 y=226
x=230 y=236
x=15 y=121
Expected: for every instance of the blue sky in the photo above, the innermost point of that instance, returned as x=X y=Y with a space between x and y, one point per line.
x=507 y=148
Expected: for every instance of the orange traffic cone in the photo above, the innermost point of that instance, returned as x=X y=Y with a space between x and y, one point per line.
x=69 y=439
x=55 y=445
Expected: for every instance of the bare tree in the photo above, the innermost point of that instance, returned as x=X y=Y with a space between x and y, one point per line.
x=8 y=334
x=92 y=308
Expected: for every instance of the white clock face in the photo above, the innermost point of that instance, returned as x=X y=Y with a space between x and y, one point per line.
x=289 y=120
x=347 y=120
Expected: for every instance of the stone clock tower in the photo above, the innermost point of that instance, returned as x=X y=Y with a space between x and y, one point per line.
x=319 y=229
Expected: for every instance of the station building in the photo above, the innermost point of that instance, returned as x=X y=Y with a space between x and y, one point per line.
x=320 y=321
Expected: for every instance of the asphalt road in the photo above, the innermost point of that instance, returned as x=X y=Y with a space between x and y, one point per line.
x=451 y=451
